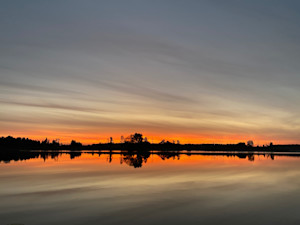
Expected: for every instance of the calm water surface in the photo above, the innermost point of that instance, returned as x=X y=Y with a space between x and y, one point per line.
x=82 y=189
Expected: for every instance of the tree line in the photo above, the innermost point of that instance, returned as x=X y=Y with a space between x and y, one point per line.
x=135 y=141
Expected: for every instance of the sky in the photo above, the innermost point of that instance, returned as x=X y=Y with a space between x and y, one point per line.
x=195 y=71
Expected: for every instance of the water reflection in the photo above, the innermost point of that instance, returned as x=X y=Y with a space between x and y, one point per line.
x=135 y=159
x=116 y=187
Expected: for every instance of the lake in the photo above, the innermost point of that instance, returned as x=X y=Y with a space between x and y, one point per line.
x=120 y=188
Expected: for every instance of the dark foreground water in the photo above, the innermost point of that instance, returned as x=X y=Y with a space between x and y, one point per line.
x=64 y=189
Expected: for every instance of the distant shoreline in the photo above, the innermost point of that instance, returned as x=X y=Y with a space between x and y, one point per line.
x=13 y=144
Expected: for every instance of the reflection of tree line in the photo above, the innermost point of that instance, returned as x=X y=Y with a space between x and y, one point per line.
x=7 y=157
x=137 y=159
x=132 y=158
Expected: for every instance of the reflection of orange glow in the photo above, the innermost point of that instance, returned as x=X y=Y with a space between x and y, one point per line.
x=88 y=159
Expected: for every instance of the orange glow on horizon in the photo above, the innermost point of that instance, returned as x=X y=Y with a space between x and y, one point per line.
x=95 y=138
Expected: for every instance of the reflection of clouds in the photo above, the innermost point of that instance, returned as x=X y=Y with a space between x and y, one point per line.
x=201 y=189
x=55 y=193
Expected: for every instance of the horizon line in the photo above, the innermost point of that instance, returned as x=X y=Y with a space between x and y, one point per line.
x=150 y=142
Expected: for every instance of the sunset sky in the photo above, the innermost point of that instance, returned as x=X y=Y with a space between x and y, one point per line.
x=195 y=71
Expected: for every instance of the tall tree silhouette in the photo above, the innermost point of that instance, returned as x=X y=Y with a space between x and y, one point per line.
x=135 y=138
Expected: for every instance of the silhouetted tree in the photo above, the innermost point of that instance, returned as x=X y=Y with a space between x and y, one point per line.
x=75 y=145
x=55 y=144
x=135 y=138
x=250 y=143
x=45 y=142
